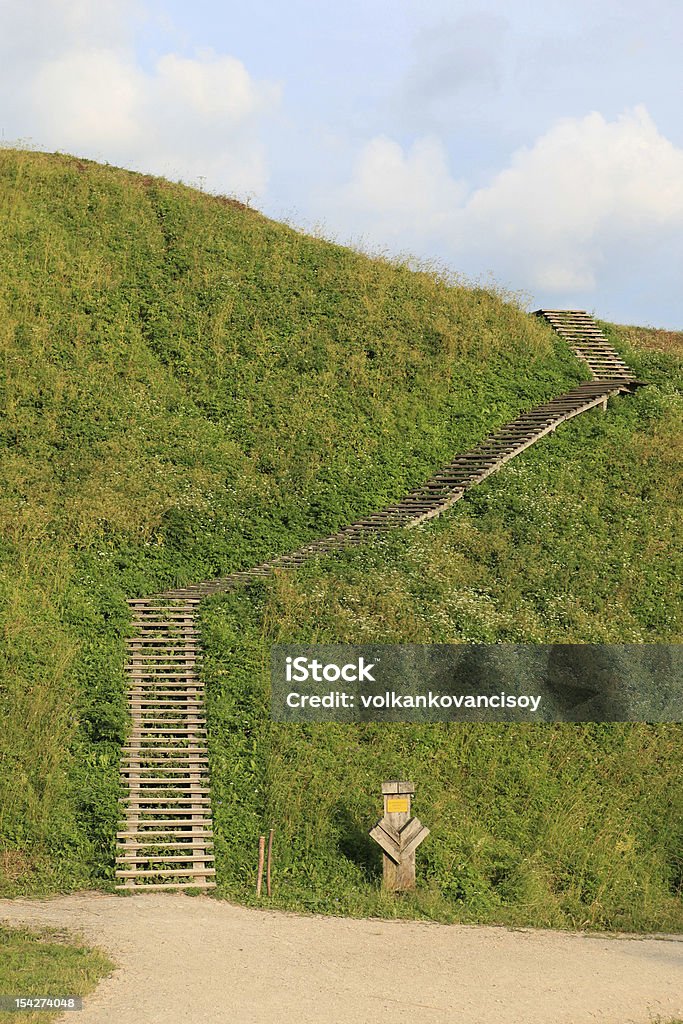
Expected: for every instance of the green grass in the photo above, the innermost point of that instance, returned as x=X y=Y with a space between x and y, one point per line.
x=47 y=963
x=189 y=388
x=556 y=825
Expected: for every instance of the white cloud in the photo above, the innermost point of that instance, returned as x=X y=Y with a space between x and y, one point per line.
x=189 y=117
x=585 y=187
x=215 y=87
x=87 y=98
x=583 y=192
x=408 y=193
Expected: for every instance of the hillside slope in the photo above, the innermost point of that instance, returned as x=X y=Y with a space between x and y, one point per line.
x=190 y=388
x=580 y=826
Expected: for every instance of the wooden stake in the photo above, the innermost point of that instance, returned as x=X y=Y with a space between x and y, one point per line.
x=270 y=857
x=261 y=851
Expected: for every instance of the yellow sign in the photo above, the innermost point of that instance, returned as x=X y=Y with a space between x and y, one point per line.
x=397 y=803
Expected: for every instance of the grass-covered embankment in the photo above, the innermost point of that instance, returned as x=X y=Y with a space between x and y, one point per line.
x=579 y=826
x=46 y=963
x=189 y=388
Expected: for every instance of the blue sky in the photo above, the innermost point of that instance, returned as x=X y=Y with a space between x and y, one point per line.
x=540 y=144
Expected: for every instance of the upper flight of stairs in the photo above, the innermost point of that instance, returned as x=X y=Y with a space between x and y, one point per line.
x=166 y=839
x=588 y=342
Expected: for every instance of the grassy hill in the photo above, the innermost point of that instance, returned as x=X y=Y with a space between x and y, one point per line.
x=578 y=540
x=190 y=388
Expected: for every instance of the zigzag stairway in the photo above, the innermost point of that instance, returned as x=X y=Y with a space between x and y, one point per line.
x=166 y=838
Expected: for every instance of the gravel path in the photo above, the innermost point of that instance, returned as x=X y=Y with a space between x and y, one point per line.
x=199 y=960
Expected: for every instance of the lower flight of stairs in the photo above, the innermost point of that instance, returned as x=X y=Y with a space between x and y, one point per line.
x=166 y=838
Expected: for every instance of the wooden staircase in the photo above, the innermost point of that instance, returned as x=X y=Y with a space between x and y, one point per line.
x=588 y=342
x=166 y=841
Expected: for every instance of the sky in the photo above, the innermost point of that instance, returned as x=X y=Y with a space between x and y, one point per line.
x=538 y=145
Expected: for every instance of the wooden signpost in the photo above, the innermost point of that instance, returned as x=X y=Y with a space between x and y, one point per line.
x=399 y=835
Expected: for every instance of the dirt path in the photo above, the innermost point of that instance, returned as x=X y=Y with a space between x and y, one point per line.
x=198 y=960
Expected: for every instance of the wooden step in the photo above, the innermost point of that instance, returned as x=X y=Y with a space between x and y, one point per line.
x=137 y=873
x=167 y=716
x=171 y=804
x=186 y=790
x=186 y=727
x=141 y=839
x=158 y=645
x=174 y=614
x=177 y=684
x=170 y=733
x=163 y=837
x=149 y=660
x=187 y=812
x=181 y=634
x=190 y=718
x=192 y=722
x=157 y=693
x=181 y=638
x=164 y=886
x=180 y=858
x=156 y=601
x=161 y=707
x=138 y=802
x=143 y=667
x=189 y=722
x=173 y=622
x=165 y=852
x=192 y=805
x=185 y=623
x=149 y=673
x=168 y=701
x=167 y=754
x=164 y=750
x=195 y=840
x=145 y=681
x=143 y=678
x=177 y=703
x=143 y=769
x=175 y=821
x=159 y=801
x=184 y=699
x=161 y=781
x=169 y=736
x=170 y=688
x=151 y=827
x=201 y=812
x=183 y=787
x=164 y=640
x=188 y=760
x=188 y=768
x=181 y=798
